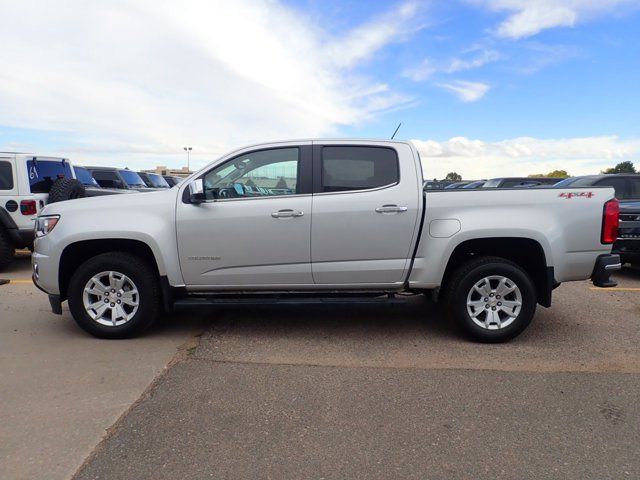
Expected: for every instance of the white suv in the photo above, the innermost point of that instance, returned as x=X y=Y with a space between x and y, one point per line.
x=27 y=184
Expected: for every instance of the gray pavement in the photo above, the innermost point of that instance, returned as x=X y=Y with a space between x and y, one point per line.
x=60 y=389
x=322 y=391
x=392 y=392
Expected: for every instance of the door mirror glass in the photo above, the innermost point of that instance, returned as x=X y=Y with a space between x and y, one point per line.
x=196 y=191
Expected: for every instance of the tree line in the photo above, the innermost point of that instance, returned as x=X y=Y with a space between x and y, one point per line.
x=622 y=167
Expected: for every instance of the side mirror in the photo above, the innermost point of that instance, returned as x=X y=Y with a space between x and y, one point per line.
x=196 y=191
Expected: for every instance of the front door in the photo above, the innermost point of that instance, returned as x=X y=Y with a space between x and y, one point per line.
x=254 y=228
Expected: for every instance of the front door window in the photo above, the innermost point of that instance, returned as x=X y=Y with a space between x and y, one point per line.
x=263 y=173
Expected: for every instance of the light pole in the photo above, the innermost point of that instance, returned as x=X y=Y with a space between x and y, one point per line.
x=188 y=150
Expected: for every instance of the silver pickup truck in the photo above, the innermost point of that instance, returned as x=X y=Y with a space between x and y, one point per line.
x=322 y=220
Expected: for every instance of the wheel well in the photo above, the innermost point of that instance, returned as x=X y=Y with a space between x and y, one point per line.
x=77 y=253
x=525 y=252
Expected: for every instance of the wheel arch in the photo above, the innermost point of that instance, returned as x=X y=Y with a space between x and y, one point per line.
x=75 y=254
x=525 y=252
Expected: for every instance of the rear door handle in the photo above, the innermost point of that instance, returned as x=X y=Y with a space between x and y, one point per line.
x=287 y=213
x=391 y=209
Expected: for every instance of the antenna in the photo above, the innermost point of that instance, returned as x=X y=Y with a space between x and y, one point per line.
x=397 y=128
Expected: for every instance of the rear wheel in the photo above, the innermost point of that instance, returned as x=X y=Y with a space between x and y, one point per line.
x=7 y=250
x=492 y=299
x=114 y=295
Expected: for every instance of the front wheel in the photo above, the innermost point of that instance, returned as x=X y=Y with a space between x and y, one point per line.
x=492 y=299
x=114 y=295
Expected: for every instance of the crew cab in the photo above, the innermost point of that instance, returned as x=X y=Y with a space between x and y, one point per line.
x=322 y=220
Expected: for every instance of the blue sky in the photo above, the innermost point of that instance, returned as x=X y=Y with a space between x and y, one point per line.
x=483 y=87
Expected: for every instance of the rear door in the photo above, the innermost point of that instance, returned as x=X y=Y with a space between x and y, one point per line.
x=365 y=211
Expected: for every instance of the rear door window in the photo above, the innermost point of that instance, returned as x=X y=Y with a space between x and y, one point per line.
x=358 y=168
x=618 y=184
x=6 y=176
x=42 y=174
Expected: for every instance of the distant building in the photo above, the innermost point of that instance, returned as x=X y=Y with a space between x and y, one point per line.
x=174 y=172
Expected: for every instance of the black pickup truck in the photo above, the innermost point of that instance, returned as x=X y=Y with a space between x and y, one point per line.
x=627 y=187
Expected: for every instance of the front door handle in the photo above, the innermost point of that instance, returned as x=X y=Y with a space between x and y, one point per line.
x=391 y=209
x=287 y=213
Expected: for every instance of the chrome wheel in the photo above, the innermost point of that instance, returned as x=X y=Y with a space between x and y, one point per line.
x=494 y=302
x=111 y=298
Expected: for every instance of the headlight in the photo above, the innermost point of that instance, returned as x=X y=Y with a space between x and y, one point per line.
x=44 y=225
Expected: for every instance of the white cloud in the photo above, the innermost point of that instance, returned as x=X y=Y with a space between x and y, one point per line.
x=480 y=60
x=151 y=76
x=524 y=155
x=466 y=91
x=529 y=17
x=421 y=72
x=427 y=68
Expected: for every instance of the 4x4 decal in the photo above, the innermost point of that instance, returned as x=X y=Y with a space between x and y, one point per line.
x=576 y=194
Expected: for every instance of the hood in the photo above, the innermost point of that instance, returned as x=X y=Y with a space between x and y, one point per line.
x=135 y=200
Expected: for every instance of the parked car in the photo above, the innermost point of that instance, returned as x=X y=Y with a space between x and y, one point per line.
x=91 y=186
x=436 y=184
x=27 y=184
x=627 y=190
x=456 y=185
x=108 y=177
x=519 y=182
x=359 y=228
x=153 y=180
x=173 y=180
x=476 y=184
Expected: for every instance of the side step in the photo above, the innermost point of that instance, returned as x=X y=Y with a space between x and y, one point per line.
x=207 y=300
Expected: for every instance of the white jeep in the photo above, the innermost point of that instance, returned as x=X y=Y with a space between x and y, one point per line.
x=27 y=184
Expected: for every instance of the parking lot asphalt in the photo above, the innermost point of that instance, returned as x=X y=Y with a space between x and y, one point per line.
x=60 y=389
x=330 y=391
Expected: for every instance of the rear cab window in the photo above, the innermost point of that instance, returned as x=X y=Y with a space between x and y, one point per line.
x=6 y=176
x=43 y=173
x=618 y=184
x=634 y=190
x=352 y=168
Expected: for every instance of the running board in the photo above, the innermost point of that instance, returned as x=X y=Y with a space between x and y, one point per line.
x=193 y=301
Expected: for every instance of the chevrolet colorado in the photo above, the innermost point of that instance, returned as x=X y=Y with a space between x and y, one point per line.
x=322 y=220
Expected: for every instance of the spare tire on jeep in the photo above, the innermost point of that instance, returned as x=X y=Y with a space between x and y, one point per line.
x=66 y=189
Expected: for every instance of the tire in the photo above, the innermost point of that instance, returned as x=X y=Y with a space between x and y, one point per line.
x=66 y=189
x=7 y=250
x=128 y=271
x=498 y=317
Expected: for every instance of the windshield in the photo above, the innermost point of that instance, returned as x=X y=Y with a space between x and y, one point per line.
x=132 y=178
x=42 y=173
x=158 y=181
x=84 y=177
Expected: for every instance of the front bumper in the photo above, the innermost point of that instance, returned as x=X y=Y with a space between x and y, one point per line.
x=605 y=266
x=45 y=273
